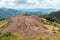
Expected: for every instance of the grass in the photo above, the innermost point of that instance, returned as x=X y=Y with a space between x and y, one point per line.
x=3 y=24
x=45 y=37
x=10 y=36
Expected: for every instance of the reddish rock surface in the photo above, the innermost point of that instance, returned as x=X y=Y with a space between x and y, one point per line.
x=26 y=25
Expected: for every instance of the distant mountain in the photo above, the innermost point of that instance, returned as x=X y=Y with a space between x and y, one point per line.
x=44 y=11
x=55 y=14
x=7 y=13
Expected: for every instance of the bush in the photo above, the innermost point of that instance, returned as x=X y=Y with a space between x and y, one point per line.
x=2 y=19
x=10 y=36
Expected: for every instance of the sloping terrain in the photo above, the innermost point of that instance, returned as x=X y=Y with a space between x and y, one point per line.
x=30 y=25
x=3 y=24
x=55 y=14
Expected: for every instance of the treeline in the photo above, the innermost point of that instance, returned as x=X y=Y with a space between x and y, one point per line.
x=50 y=18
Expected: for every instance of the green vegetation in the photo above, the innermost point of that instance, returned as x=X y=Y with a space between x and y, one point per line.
x=50 y=18
x=9 y=36
x=44 y=37
x=2 y=19
x=55 y=14
x=3 y=24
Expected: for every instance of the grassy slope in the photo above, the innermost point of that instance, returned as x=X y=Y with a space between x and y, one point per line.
x=7 y=35
x=3 y=24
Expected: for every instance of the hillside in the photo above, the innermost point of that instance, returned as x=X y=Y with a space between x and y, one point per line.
x=7 y=13
x=30 y=25
x=55 y=14
x=26 y=25
x=29 y=28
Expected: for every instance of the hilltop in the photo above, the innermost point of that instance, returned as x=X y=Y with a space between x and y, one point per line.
x=29 y=28
x=31 y=25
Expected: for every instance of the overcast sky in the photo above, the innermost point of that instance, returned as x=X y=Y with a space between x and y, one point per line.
x=29 y=4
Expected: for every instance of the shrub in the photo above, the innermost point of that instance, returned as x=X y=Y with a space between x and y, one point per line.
x=10 y=36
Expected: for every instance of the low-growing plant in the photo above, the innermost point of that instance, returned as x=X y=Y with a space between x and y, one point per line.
x=9 y=36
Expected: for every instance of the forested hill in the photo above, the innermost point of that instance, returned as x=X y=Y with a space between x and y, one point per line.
x=55 y=14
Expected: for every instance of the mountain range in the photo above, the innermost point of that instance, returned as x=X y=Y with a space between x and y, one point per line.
x=7 y=13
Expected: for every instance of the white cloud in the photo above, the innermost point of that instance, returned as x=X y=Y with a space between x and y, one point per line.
x=30 y=4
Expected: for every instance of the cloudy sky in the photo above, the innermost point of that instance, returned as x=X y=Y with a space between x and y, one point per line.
x=29 y=4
